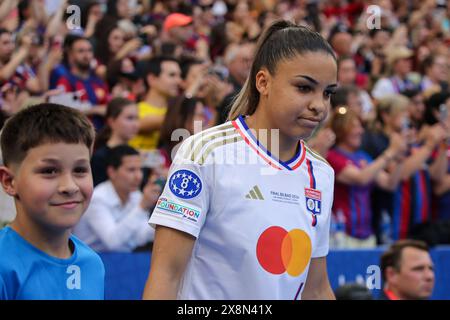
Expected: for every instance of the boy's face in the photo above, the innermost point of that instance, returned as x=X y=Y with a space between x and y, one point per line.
x=53 y=185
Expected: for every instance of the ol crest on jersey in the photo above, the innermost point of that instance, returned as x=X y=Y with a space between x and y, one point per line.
x=313 y=199
x=185 y=184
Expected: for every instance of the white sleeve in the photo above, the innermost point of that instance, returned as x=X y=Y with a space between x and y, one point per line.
x=322 y=243
x=184 y=201
x=117 y=236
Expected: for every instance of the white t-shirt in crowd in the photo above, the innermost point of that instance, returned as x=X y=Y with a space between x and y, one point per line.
x=109 y=225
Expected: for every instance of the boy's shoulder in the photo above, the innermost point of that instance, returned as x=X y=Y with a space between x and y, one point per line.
x=17 y=249
x=85 y=253
x=24 y=269
x=9 y=247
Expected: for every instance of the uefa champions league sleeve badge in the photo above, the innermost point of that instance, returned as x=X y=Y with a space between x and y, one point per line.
x=185 y=184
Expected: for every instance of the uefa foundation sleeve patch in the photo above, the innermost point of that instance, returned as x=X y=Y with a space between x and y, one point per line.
x=178 y=209
x=185 y=184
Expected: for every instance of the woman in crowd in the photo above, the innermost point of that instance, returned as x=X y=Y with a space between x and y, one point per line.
x=121 y=125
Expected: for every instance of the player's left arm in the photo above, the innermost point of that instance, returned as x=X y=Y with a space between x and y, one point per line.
x=317 y=284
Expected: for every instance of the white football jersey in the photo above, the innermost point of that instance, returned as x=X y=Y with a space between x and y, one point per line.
x=258 y=221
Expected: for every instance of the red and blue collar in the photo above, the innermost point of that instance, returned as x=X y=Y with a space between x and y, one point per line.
x=265 y=154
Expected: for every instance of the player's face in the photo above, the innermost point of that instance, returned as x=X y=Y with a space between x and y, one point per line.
x=53 y=185
x=126 y=125
x=128 y=176
x=298 y=94
x=416 y=277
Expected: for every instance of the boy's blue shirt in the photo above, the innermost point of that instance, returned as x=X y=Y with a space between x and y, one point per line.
x=27 y=273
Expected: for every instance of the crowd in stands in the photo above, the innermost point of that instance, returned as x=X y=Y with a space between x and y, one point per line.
x=150 y=73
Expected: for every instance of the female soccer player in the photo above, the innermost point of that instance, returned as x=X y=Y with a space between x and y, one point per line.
x=245 y=213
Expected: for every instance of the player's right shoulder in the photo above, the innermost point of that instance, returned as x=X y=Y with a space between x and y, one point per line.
x=198 y=147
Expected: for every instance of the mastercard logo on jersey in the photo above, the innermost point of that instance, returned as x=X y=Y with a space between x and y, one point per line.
x=313 y=200
x=279 y=251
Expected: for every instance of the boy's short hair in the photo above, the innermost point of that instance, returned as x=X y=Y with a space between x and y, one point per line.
x=43 y=123
x=116 y=154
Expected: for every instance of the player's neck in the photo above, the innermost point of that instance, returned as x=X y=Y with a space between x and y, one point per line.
x=52 y=242
x=282 y=147
x=155 y=99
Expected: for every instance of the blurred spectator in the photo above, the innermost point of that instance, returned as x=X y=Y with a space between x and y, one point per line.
x=348 y=76
x=348 y=96
x=162 y=77
x=113 y=44
x=108 y=44
x=407 y=271
x=75 y=77
x=124 y=80
x=353 y=291
x=410 y=204
x=207 y=83
x=435 y=69
x=322 y=140
x=14 y=74
x=237 y=59
x=91 y=14
x=438 y=113
x=356 y=172
x=341 y=40
x=116 y=219
x=416 y=107
x=179 y=30
x=243 y=26
x=116 y=10
x=370 y=56
x=187 y=114
x=399 y=64
x=121 y=126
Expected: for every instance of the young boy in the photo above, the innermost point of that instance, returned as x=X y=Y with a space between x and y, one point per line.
x=46 y=150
